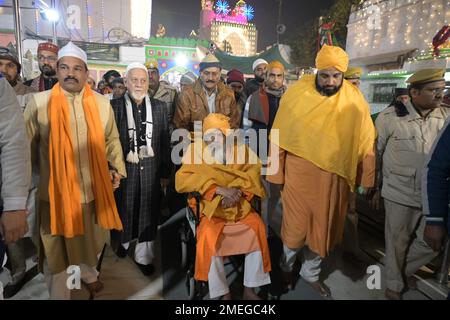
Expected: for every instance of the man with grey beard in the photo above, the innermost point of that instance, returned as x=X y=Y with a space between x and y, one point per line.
x=144 y=136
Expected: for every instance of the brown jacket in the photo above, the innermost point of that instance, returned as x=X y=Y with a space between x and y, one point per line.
x=192 y=105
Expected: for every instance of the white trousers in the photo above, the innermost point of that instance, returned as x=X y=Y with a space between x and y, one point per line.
x=310 y=270
x=57 y=283
x=144 y=253
x=254 y=275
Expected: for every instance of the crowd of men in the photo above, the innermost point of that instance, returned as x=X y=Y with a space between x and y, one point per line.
x=87 y=164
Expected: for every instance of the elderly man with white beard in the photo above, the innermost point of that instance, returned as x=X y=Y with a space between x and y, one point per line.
x=144 y=135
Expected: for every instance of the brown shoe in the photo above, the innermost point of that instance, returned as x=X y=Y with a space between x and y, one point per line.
x=94 y=288
x=392 y=295
x=411 y=282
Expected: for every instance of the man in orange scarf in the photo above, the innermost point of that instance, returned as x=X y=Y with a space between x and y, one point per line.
x=325 y=136
x=76 y=149
x=228 y=223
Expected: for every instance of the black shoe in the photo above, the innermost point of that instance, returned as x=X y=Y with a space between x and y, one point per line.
x=356 y=260
x=121 y=252
x=12 y=289
x=289 y=279
x=146 y=269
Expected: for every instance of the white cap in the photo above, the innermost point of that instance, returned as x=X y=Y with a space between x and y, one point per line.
x=135 y=65
x=71 y=50
x=188 y=78
x=258 y=62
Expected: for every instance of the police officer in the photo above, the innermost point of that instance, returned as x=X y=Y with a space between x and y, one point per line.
x=353 y=74
x=406 y=133
x=161 y=91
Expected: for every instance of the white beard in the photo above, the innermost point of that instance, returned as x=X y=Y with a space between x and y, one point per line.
x=136 y=96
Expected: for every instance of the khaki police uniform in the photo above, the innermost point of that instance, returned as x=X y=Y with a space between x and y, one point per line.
x=404 y=143
x=168 y=95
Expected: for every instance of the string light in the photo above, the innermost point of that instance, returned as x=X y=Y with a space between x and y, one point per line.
x=409 y=22
x=36 y=20
x=103 y=19
x=89 y=20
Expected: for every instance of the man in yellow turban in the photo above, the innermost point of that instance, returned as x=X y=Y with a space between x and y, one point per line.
x=326 y=142
x=228 y=224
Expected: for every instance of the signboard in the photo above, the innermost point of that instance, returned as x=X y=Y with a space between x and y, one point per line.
x=96 y=51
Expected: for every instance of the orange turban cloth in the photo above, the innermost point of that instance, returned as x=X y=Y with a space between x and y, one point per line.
x=275 y=64
x=332 y=57
x=216 y=121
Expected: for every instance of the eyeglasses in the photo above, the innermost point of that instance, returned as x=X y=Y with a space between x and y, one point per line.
x=49 y=58
x=437 y=91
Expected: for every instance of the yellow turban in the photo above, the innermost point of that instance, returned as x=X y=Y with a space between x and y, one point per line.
x=353 y=73
x=276 y=64
x=216 y=121
x=332 y=57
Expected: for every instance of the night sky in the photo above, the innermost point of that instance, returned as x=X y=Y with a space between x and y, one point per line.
x=181 y=16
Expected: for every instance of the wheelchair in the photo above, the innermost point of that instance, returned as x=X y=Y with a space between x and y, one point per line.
x=197 y=290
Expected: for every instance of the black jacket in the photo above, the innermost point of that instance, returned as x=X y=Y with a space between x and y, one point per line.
x=251 y=86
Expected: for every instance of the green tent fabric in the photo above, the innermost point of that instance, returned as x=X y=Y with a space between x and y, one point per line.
x=244 y=64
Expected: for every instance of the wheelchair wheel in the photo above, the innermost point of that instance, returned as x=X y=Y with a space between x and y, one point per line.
x=190 y=285
x=184 y=255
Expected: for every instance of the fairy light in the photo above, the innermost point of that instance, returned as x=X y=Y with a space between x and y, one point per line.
x=89 y=20
x=103 y=19
x=414 y=19
x=141 y=11
x=36 y=21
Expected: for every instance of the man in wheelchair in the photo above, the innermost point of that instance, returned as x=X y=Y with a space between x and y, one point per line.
x=227 y=176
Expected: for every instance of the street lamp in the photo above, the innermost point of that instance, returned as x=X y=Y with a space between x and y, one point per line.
x=281 y=28
x=181 y=60
x=52 y=15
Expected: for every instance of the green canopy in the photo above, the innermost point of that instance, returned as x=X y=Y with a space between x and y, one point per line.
x=244 y=64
